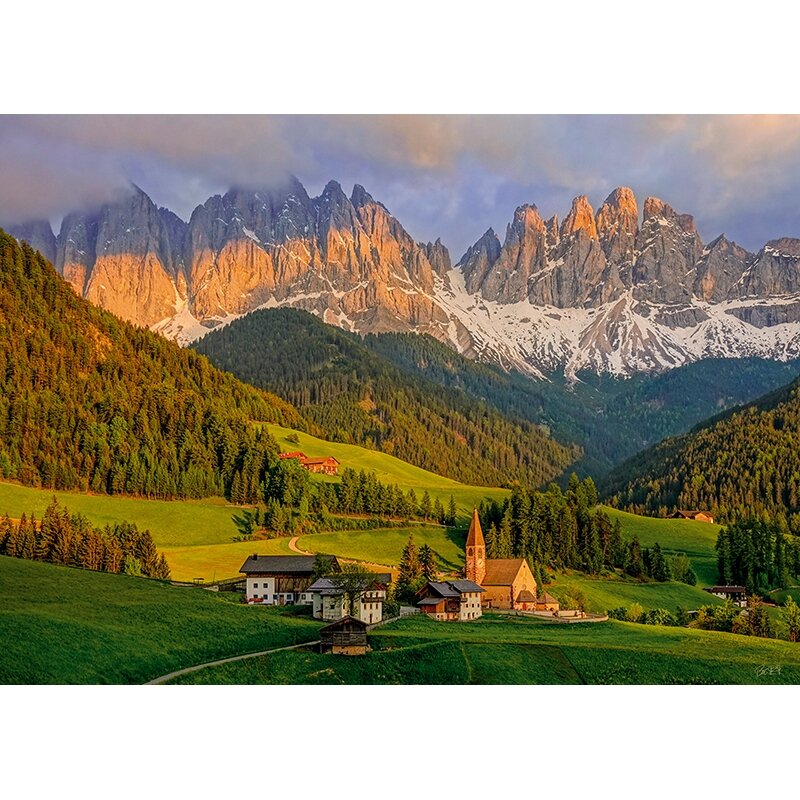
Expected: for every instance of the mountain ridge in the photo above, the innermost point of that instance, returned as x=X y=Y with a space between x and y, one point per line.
x=601 y=291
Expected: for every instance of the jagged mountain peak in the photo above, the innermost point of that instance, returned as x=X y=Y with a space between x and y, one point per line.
x=580 y=218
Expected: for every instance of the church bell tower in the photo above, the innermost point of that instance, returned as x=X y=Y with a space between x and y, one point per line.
x=476 y=551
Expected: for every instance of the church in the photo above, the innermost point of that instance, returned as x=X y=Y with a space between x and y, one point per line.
x=508 y=583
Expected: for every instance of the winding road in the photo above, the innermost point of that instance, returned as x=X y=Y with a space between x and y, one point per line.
x=170 y=675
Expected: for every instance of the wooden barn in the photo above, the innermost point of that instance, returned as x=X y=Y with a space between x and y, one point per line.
x=347 y=637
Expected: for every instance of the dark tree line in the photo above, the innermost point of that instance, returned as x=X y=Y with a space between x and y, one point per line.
x=286 y=496
x=70 y=540
x=757 y=554
x=92 y=403
x=554 y=529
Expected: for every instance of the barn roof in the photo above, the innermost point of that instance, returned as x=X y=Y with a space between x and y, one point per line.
x=320 y=460
x=282 y=565
x=502 y=571
x=344 y=622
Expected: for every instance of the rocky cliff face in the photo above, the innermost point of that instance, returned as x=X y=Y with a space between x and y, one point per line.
x=598 y=291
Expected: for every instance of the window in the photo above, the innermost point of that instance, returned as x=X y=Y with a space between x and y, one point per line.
x=255 y=586
x=274 y=597
x=255 y=595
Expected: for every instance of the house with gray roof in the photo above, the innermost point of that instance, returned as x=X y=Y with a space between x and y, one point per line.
x=450 y=601
x=330 y=601
x=281 y=580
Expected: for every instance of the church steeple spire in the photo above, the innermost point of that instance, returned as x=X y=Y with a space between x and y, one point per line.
x=476 y=551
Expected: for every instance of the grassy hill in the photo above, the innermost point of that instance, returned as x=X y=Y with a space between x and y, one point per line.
x=62 y=625
x=196 y=536
x=696 y=539
x=514 y=650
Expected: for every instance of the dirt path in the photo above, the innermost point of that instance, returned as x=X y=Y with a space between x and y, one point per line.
x=293 y=546
x=170 y=675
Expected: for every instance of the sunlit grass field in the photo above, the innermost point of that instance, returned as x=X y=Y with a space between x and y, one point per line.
x=513 y=650
x=696 y=539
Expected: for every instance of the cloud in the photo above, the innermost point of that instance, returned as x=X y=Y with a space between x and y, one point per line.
x=449 y=176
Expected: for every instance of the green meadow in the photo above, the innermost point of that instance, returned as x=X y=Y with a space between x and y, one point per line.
x=499 y=649
x=603 y=594
x=63 y=625
x=696 y=539
x=389 y=469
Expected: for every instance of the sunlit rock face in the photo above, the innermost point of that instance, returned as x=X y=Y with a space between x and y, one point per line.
x=603 y=290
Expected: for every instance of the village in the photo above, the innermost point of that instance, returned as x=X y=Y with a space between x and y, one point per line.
x=505 y=584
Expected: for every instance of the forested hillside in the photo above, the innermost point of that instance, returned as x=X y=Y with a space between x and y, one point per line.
x=310 y=364
x=743 y=463
x=611 y=419
x=90 y=402
x=356 y=395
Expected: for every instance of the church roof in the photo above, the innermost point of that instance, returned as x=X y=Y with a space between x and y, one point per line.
x=546 y=598
x=525 y=597
x=475 y=536
x=502 y=571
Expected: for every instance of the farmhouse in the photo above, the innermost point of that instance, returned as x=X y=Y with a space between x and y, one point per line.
x=330 y=601
x=279 y=580
x=347 y=636
x=507 y=583
x=327 y=465
x=451 y=601
x=698 y=516
x=736 y=594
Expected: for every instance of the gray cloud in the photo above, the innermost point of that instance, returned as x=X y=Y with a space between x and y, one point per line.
x=448 y=176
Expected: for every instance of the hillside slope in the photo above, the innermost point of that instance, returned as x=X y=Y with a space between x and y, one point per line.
x=357 y=395
x=743 y=462
x=90 y=402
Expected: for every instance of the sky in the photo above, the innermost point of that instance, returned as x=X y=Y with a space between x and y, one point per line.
x=442 y=176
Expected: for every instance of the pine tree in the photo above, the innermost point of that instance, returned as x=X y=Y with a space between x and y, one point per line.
x=409 y=572
x=427 y=563
x=451 y=511
x=634 y=563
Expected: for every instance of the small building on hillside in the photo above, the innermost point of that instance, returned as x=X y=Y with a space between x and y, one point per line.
x=330 y=602
x=736 y=594
x=698 y=516
x=325 y=465
x=280 y=580
x=546 y=602
x=450 y=601
x=347 y=636
x=294 y=454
